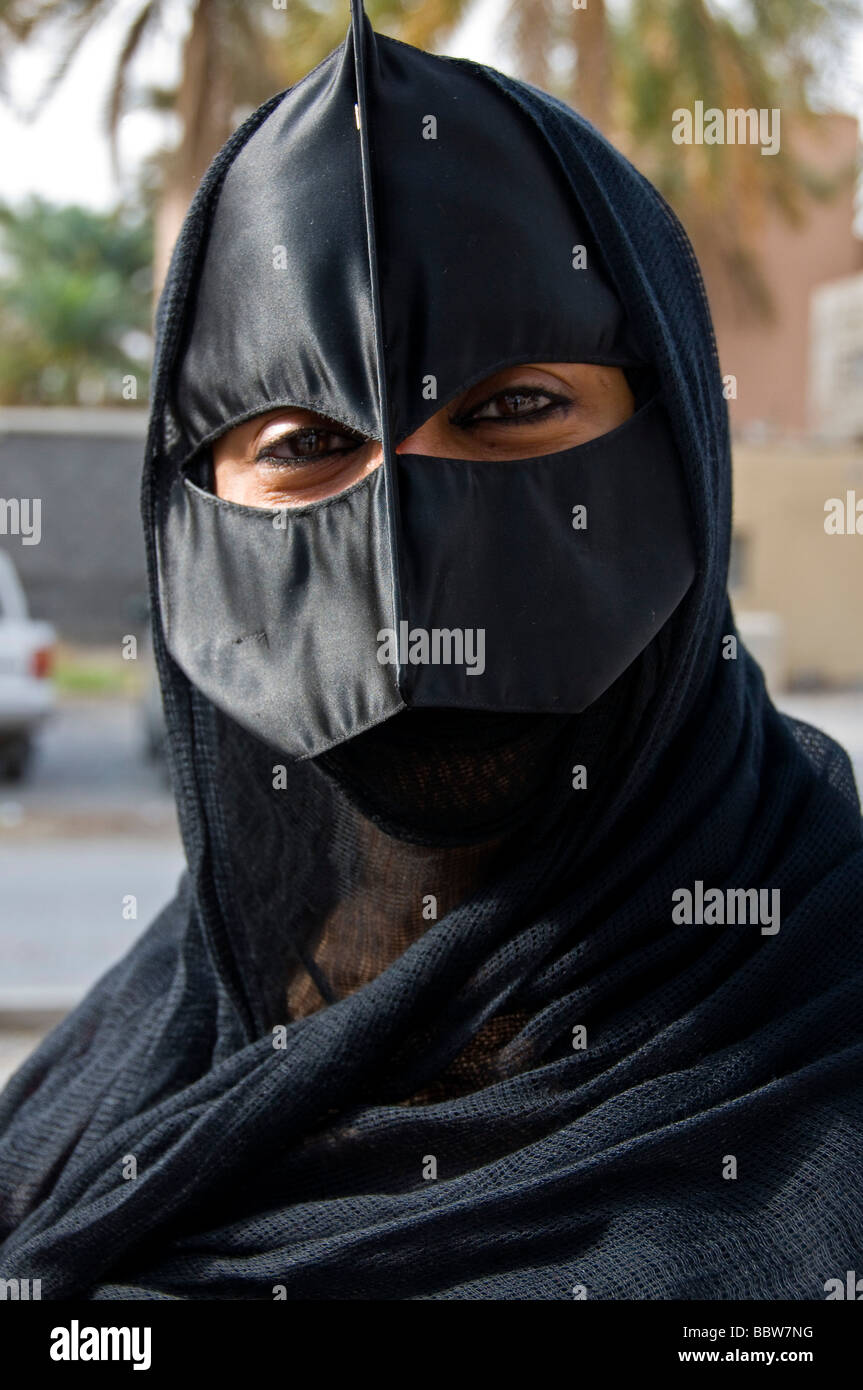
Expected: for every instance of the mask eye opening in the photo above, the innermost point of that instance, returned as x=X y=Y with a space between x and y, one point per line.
x=643 y=383
x=199 y=469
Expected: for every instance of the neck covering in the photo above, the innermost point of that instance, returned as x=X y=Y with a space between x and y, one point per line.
x=352 y=1063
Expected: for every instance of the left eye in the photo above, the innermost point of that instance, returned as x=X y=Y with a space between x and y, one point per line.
x=513 y=404
x=306 y=444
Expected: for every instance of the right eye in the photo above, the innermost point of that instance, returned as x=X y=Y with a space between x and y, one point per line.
x=309 y=443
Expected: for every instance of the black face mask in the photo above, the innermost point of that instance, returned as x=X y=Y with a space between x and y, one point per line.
x=371 y=274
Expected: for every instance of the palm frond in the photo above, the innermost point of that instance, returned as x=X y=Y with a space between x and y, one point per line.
x=145 y=20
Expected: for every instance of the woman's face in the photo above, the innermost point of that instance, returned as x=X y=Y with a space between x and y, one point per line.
x=288 y=458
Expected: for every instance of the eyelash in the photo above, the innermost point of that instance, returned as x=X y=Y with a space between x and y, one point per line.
x=465 y=421
x=554 y=403
x=299 y=463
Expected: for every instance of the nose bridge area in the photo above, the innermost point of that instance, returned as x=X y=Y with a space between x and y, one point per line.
x=417 y=441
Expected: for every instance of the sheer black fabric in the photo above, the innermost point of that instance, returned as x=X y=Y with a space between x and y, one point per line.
x=298 y=1158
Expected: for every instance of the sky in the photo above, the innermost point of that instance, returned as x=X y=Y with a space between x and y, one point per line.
x=63 y=154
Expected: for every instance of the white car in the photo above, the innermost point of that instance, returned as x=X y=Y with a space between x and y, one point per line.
x=26 y=692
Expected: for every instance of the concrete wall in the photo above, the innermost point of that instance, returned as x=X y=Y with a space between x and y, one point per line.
x=789 y=565
x=87 y=574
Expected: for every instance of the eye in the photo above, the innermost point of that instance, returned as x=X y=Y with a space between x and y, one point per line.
x=307 y=444
x=515 y=404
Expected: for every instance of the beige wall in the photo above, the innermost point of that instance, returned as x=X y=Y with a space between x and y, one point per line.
x=791 y=567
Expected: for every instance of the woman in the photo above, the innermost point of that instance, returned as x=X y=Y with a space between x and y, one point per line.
x=517 y=953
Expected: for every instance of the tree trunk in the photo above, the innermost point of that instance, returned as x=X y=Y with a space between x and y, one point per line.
x=593 y=63
x=531 y=22
x=204 y=109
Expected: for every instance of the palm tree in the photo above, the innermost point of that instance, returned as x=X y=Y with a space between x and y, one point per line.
x=760 y=56
x=626 y=70
x=234 y=56
x=629 y=73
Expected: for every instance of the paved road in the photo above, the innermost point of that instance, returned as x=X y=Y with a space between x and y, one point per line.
x=89 y=767
x=94 y=823
x=63 y=911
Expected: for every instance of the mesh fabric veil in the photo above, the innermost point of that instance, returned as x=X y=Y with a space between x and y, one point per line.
x=343 y=868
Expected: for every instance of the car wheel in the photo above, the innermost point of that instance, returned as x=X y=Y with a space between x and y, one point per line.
x=15 y=758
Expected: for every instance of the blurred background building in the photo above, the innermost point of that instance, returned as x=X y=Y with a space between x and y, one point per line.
x=109 y=116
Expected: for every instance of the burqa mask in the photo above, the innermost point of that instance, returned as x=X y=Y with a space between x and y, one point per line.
x=394 y=231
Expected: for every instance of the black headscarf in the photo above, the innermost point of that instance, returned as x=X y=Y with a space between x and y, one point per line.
x=347 y=1058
